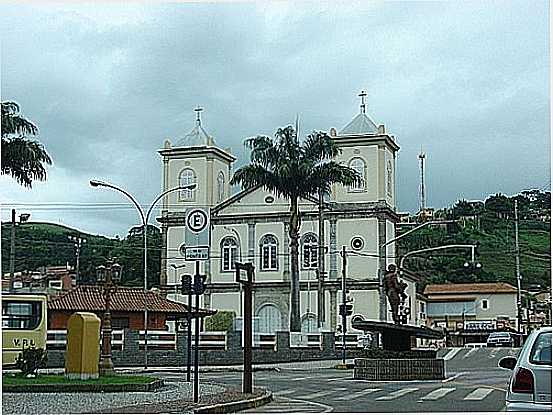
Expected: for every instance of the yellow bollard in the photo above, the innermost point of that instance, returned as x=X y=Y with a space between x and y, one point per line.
x=83 y=346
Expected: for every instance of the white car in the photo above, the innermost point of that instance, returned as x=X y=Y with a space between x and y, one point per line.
x=530 y=384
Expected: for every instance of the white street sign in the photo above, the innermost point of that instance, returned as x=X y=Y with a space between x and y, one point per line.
x=195 y=253
x=197 y=220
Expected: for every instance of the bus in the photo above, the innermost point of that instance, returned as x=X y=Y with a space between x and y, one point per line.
x=24 y=324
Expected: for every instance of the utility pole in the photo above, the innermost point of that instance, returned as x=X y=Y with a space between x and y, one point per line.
x=517 y=270
x=12 y=252
x=321 y=265
x=344 y=317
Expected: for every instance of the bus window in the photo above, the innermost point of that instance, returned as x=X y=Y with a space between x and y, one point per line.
x=21 y=314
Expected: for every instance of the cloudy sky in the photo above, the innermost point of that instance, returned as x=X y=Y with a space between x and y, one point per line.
x=106 y=84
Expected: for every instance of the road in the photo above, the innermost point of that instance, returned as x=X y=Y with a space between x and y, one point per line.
x=474 y=384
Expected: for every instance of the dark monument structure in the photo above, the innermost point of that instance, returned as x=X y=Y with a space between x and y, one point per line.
x=402 y=363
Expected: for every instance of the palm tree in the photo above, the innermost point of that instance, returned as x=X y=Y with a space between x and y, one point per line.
x=295 y=171
x=22 y=158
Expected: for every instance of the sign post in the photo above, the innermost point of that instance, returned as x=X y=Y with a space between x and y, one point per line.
x=247 y=322
x=186 y=289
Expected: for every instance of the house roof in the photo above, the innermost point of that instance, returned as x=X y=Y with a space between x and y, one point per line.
x=125 y=299
x=491 y=287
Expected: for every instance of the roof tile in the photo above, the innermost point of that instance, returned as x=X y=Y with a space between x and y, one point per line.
x=492 y=287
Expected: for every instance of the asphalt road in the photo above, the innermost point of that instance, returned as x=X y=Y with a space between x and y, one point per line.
x=474 y=384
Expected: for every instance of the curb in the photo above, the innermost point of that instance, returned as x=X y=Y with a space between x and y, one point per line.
x=202 y=370
x=57 y=388
x=229 y=407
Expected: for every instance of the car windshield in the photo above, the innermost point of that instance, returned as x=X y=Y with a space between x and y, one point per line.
x=541 y=350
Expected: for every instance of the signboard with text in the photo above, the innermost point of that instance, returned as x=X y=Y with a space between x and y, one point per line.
x=196 y=235
x=480 y=325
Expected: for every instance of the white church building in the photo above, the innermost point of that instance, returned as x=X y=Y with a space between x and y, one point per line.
x=252 y=226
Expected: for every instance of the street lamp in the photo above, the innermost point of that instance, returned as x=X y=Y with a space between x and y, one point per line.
x=109 y=277
x=24 y=217
x=144 y=218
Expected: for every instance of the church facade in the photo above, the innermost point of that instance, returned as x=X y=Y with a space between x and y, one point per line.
x=252 y=226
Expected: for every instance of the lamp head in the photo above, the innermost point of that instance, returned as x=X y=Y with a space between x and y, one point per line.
x=116 y=272
x=95 y=183
x=101 y=273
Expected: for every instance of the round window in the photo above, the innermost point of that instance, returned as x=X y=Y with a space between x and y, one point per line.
x=269 y=199
x=357 y=243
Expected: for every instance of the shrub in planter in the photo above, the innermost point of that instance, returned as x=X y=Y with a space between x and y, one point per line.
x=30 y=360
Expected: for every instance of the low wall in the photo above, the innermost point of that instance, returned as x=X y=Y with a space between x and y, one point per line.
x=132 y=355
x=399 y=369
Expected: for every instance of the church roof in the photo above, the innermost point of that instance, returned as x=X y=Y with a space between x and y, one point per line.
x=198 y=136
x=361 y=124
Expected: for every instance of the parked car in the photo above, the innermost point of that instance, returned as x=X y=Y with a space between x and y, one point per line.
x=530 y=383
x=500 y=338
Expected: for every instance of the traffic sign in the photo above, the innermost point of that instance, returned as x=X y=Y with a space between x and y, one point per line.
x=197 y=220
x=196 y=253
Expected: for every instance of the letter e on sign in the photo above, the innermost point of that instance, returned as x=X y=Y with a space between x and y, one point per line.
x=197 y=220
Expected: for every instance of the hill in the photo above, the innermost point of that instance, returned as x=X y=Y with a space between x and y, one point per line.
x=45 y=244
x=490 y=225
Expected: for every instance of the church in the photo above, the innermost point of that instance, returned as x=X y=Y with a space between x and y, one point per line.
x=252 y=226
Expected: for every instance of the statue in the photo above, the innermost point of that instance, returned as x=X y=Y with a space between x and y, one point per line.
x=395 y=291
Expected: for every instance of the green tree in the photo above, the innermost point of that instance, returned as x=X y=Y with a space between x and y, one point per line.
x=22 y=158
x=295 y=171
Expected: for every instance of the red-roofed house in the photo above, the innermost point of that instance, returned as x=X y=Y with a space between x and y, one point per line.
x=127 y=308
x=470 y=312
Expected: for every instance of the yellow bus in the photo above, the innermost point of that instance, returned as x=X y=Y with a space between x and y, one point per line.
x=24 y=324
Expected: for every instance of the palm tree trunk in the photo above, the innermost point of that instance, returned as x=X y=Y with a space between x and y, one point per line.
x=294 y=231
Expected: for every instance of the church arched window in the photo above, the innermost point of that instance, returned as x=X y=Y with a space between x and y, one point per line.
x=186 y=177
x=220 y=187
x=269 y=249
x=229 y=253
x=358 y=164
x=309 y=251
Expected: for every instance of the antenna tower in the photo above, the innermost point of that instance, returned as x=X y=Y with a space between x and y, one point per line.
x=422 y=201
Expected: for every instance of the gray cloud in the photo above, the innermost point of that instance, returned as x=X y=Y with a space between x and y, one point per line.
x=467 y=81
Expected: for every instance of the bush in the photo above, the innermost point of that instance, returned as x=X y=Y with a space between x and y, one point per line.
x=222 y=321
x=30 y=360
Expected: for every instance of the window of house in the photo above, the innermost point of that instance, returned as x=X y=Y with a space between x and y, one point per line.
x=229 y=253
x=119 y=323
x=220 y=187
x=358 y=165
x=484 y=304
x=309 y=251
x=187 y=177
x=269 y=248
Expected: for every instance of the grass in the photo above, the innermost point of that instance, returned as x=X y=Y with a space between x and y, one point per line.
x=60 y=379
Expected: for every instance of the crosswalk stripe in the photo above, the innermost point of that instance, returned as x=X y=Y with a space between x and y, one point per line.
x=316 y=394
x=471 y=351
x=478 y=394
x=452 y=353
x=357 y=394
x=396 y=394
x=437 y=394
x=285 y=392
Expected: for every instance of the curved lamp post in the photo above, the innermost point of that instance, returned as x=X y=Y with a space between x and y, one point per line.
x=144 y=218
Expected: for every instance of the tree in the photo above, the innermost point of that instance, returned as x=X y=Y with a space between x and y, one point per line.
x=22 y=158
x=295 y=171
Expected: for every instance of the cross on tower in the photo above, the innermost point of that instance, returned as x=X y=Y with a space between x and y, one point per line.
x=198 y=110
x=363 y=94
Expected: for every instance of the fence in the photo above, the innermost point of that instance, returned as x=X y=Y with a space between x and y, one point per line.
x=217 y=348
